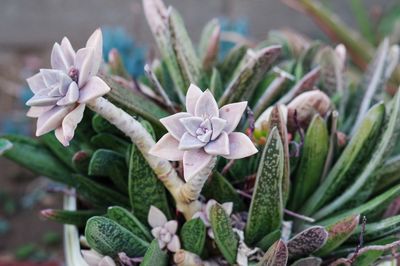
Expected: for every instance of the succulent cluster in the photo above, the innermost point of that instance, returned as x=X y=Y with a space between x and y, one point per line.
x=325 y=175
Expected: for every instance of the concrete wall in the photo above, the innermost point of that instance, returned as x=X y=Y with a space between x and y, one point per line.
x=38 y=23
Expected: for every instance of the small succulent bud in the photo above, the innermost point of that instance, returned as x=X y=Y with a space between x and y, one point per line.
x=305 y=106
x=341 y=139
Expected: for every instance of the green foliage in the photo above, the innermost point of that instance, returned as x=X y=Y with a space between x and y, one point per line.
x=193 y=236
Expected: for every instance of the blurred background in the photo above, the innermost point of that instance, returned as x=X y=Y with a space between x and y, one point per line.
x=28 y=29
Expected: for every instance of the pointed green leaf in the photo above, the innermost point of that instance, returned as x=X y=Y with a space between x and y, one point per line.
x=110 y=164
x=338 y=233
x=97 y=194
x=307 y=242
x=220 y=189
x=352 y=159
x=266 y=242
x=109 y=238
x=276 y=255
x=373 y=231
x=77 y=218
x=209 y=44
x=388 y=174
x=193 y=236
x=233 y=58
x=154 y=255
x=34 y=156
x=225 y=237
x=250 y=72
x=216 y=84
x=362 y=188
x=369 y=208
x=309 y=261
x=126 y=219
x=145 y=189
x=110 y=142
x=312 y=161
x=266 y=208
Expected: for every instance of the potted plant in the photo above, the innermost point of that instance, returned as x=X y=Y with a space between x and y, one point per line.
x=287 y=158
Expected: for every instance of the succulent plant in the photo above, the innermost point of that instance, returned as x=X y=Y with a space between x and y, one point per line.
x=326 y=175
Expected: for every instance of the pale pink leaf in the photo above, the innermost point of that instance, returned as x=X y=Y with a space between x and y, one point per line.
x=174 y=245
x=188 y=142
x=218 y=124
x=156 y=218
x=174 y=125
x=194 y=161
x=206 y=106
x=192 y=96
x=36 y=83
x=171 y=226
x=84 y=62
x=93 y=89
x=36 y=111
x=240 y=146
x=220 y=146
x=167 y=148
x=232 y=113
x=71 y=121
x=58 y=60
x=51 y=119
x=72 y=95
x=95 y=42
x=191 y=124
x=69 y=52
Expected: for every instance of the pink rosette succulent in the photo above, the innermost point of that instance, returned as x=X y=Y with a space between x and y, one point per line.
x=202 y=132
x=60 y=93
x=164 y=231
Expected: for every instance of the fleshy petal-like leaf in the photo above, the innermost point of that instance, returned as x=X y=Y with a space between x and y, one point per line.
x=188 y=142
x=220 y=146
x=58 y=59
x=156 y=218
x=174 y=125
x=36 y=83
x=192 y=96
x=232 y=113
x=174 y=245
x=94 y=88
x=217 y=124
x=36 y=111
x=206 y=106
x=84 y=62
x=68 y=51
x=95 y=42
x=71 y=96
x=240 y=146
x=51 y=119
x=194 y=161
x=191 y=124
x=71 y=121
x=167 y=148
x=171 y=226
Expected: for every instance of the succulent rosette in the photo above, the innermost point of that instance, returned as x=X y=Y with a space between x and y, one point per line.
x=163 y=230
x=60 y=93
x=202 y=132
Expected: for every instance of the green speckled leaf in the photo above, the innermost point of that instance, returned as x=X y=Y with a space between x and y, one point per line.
x=307 y=242
x=222 y=191
x=193 y=236
x=225 y=237
x=145 y=189
x=110 y=164
x=311 y=167
x=110 y=142
x=109 y=238
x=233 y=58
x=78 y=218
x=269 y=239
x=34 y=156
x=309 y=261
x=276 y=255
x=266 y=209
x=155 y=256
x=126 y=219
x=338 y=233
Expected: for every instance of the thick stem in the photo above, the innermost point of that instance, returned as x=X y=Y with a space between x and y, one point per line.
x=191 y=190
x=143 y=140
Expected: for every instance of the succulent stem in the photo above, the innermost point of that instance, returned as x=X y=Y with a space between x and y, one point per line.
x=143 y=140
x=192 y=188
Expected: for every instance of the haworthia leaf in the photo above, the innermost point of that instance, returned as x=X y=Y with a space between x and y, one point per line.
x=388 y=174
x=309 y=261
x=338 y=233
x=145 y=189
x=277 y=119
x=222 y=191
x=78 y=218
x=266 y=208
x=276 y=255
x=268 y=240
x=109 y=238
x=110 y=164
x=311 y=167
x=225 y=237
x=156 y=14
x=216 y=84
x=193 y=236
x=307 y=242
x=369 y=257
x=126 y=219
x=65 y=154
x=33 y=155
x=255 y=66
x=368 y=208
x=101 y=125
x=207 y=44
x=352 y=159
x=374 y=231
x=154 y=255
x=233 y=58
x=110 y=142
x=97 y=194
x=304 y=63
x=363 y=186
x=186 y=56
x=134 y=103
